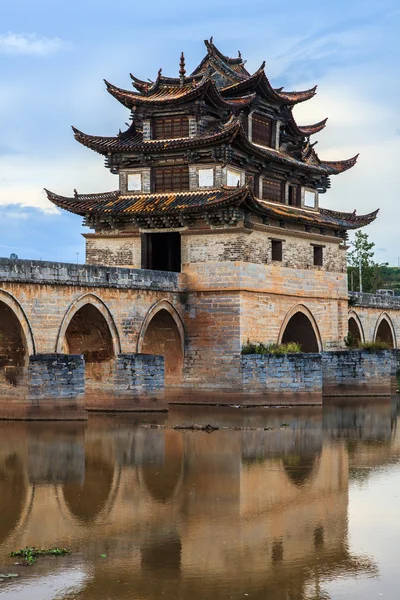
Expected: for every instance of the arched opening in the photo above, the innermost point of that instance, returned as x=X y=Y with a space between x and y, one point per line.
x=163 y=337
x=13 y=347
x=299 y=329
x=354 y=338
x=161 y=478
x=86 y=500
x=384 y=333
x=88 y=333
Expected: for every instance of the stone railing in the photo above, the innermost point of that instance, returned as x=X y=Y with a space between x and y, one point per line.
x=374 y=300
x=57 y=273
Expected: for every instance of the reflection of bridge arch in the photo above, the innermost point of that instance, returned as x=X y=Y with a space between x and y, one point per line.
x=94 y=498
x=300 y=326
x=384 y=331
x=355 y=328
x=14 y=496
x=163 y=481
x=163 y=333
x=301 y=468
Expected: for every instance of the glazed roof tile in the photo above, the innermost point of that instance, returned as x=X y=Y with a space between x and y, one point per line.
x=130 y=205
x=115 y=203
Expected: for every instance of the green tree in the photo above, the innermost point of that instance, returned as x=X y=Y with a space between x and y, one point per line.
x=363 y=253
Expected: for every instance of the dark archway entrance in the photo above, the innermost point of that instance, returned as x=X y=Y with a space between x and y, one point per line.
x=88 y=333
x=300 y=330
x=384 y=333
x=13 y=347
x=354 y=334
x=162 y=337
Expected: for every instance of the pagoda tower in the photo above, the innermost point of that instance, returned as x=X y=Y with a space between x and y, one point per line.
x=219 y=182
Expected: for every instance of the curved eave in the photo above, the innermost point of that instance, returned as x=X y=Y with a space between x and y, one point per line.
x=81 y=204
x=260 y=82
x=115 y=204
x=339 y=166
x=141 y=86
x=278 y=156
x=204 y=89
x=305 y=130
x=352 y=221
x=212 y=49
x=233 y=68
x=107 y=145
x=323 y=218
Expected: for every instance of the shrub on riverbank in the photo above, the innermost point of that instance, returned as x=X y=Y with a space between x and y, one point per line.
x=374 y=346
x=275 y=349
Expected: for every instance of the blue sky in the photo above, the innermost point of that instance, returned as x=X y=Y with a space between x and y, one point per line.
x=54 y=56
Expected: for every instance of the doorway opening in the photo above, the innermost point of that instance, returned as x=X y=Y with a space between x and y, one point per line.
x=161 y=251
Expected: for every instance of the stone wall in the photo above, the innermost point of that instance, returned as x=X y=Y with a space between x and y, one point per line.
x=254 y=246
x=288 y=379
x=139 y=379
x=357 y=373
x=123 y=250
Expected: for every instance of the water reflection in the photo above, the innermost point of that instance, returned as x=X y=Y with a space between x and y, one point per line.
x=186 y=514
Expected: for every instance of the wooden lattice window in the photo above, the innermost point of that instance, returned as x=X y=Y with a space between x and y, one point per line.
x=262 y=130
x=272 y=189
x=166 y=128
x=171 y=179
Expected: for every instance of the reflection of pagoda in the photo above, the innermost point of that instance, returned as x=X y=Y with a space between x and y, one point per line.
x=191 y=514
x=218 y=148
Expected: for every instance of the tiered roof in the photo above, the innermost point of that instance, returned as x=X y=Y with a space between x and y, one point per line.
x=191 y=203
x=225 y=87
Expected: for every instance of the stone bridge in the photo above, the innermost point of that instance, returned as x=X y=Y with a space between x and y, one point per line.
x=123 y=321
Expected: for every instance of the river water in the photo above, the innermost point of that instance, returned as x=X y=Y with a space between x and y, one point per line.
x=277 y=504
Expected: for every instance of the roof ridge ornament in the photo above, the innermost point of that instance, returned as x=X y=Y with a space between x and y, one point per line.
x=182 y=70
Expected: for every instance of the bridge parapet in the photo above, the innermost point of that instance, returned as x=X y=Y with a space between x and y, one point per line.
x=374 y=300
x=70 y=274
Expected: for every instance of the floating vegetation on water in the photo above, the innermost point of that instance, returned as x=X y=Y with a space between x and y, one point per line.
x=4 y=576
x=31 y=554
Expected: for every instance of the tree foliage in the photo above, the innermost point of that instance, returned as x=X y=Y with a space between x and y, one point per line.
x=363 y=253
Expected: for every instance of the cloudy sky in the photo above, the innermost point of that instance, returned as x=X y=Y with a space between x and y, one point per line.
x=55 y=54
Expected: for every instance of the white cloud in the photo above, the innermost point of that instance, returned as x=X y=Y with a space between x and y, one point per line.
x=30 y=43
x=23 y=178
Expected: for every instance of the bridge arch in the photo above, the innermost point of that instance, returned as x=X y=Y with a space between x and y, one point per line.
x=88 y=328
x=163 y=332
x=101 y=307
x=384 y=331
x=16 y=340
x=300 y=326
x=355 y=329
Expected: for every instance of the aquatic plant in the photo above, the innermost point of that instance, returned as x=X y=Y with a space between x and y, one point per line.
x=31 y=554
